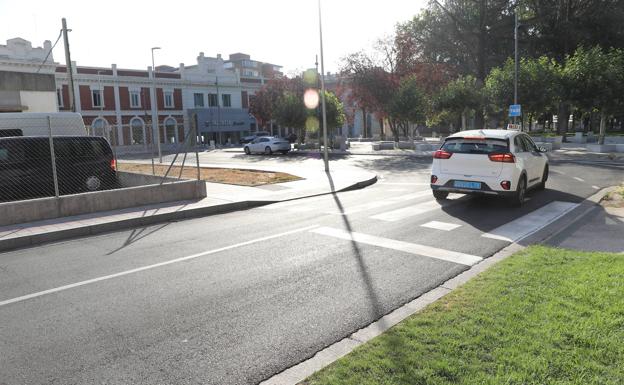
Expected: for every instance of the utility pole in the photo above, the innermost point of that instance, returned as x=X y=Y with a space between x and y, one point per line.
x=325 y=154
x=515 y=59
x=218 y=112
x=68 y=67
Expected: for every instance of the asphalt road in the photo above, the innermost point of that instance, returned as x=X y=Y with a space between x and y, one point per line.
x=236 y=298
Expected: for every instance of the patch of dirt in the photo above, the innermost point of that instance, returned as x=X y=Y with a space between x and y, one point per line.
x=614 y=198
x=218 y=175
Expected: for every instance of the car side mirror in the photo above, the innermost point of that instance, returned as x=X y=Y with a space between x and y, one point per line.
x=542 y=149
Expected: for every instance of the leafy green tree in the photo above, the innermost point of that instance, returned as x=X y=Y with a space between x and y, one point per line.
x=459 y=98
x=596 y=79
x=407 y=105
x=290 y=111
x=334 y=111
x=539 y=86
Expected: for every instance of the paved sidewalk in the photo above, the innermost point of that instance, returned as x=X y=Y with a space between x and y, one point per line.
x=601 y=229
x=221 y=198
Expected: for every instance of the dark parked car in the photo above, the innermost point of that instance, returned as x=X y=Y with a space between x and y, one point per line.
x=83 y=163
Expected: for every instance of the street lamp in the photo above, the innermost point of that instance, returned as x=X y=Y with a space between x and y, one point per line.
x=101 y=99
x=325 y=154
x=155 y=102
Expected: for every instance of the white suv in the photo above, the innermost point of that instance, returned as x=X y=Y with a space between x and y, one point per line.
x=490 y=162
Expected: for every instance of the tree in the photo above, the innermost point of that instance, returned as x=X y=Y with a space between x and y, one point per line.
x=408 y=105
x=263 y=104
x=596 y=78
x=334 y=111
x=539 y=84
x=457 y=99
x=290 y=111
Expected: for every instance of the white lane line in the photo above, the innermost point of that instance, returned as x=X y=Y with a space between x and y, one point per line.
x=557 y=172
x=383 y=202
x=412 y=248
x=579 y=179
x=528 y=224
x=149 y=267
x=440 y=225
x=406 y=212
x=596 y=187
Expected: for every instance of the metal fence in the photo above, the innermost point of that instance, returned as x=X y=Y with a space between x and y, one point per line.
x=51 y=156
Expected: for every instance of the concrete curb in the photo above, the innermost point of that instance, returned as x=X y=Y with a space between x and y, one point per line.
x=58 y=235
x=297 y=373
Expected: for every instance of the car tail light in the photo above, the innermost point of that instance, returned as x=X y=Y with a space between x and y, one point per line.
x=506 y=185
x=113 y=164
x=441 y=154
x=505 y=158
x=434 y=179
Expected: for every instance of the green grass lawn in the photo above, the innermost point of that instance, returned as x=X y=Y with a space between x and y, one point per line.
x=542 y=316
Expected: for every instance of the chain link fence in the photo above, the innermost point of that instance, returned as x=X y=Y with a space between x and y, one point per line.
x=43 y=156
x=53 y=155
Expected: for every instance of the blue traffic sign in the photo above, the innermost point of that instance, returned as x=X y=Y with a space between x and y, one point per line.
x=515 y=110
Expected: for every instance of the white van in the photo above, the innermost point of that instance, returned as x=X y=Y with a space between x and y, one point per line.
x=36 y=124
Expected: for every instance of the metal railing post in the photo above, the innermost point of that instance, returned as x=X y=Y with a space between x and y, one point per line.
x=53 y=159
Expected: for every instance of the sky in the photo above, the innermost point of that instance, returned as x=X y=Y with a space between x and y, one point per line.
x=283 y=32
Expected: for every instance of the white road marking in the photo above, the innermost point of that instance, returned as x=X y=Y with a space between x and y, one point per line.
x=149 y=267
x=441 y=225
x=528 y=224
x=557 y=172
x=596 y=187
x=383 y=202
x=412 y=248
x=579 y=179
x=406 y=212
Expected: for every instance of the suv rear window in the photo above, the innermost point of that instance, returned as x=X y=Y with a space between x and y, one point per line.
x=475 y=146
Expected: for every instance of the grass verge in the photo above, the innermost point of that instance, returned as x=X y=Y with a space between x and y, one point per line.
x=542 y=316
x=218 y=175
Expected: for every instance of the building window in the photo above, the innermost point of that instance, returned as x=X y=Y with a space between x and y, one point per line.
x=96 y=98
x=250 y=64
x=228 y=65
x=135 y=99
x=98 y=127
x=212 y=100
x=199 y=99
x=250 y=73
x=170 y=128
x=168 y=99
x=227 y=100
x=59 y=97
x=136 y=126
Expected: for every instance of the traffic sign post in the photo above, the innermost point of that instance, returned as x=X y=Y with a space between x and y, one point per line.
x=515 y=110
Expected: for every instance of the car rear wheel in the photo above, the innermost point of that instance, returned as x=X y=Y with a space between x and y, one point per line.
x=542 y=185
x=518 y=198
x=440 y=195
x=268 y=151
x=247 y=151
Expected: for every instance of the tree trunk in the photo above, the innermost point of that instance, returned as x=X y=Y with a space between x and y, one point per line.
x=603 y=127
x=364 y=135
x=530 y=122
x=563 y=115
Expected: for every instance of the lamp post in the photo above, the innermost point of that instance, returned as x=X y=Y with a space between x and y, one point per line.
x=515 y=59
x=325 y=154
x=155 y=104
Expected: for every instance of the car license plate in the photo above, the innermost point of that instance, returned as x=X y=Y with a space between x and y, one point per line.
x=470 y=185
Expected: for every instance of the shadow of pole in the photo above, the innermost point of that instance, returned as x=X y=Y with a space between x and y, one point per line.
x=377 y=308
